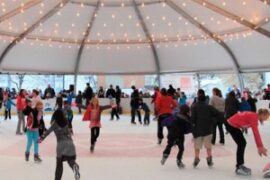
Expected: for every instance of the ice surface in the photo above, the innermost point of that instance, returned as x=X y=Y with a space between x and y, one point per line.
x=123 y=152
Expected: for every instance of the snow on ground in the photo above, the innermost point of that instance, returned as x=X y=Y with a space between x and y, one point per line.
x=123 y=152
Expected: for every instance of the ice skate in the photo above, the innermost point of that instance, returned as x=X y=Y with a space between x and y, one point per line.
x=180 y=164
x=76 y=172
x=92 y=148
x=243 y=171
x=159 y=141
x=27 y=157
x=196 y=162
x=210 y=162
x=37 y=159
x=163 y=160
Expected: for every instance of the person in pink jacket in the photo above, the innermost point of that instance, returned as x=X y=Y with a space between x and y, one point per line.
x=93 y=114
x=234 y=126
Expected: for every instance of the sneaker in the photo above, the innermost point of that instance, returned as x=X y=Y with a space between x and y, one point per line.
x=196 y=162
x=76 y=172
x=180 y=164
x=37 y=159
x=163 y=160
x=210 y=161
x=243 y=171
x=159 y=141
x=27 y=157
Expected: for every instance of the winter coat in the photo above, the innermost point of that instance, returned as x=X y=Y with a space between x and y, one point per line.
x=218 y=103
x=232 y=106
x=32 y=120
x=179 y=126
x=88 y=117
x=202 y=118
x=8 y=103
x=165 y=105
x=244 y=106
x=65 y=146
x=20 y=103
x=252 y=102
x=246 y=120
x=110 y=93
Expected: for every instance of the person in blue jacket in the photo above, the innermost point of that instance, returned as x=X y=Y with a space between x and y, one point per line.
x=8 y=103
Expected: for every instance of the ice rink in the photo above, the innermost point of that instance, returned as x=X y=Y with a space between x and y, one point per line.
x=123 y=152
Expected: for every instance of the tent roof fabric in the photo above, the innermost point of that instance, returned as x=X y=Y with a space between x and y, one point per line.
x=134 y=36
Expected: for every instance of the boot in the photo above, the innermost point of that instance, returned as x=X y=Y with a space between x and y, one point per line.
x=37 y=158
x=27 y=156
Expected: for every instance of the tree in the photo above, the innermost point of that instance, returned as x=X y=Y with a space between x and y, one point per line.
x=17 y=80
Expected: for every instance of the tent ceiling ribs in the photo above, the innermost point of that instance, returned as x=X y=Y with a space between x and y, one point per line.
x=209 y=33
x=32 y=28
x=148 y=36
x=87 y=32
x=118 y=4
x=18 y=9
x=232 y=16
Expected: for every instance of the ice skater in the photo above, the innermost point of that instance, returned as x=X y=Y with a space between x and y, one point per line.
x=34 y=127
x=69 y=115
x=145 y=108
x=179 y=127
x=8 y=103
x=234 y=126
x=65 y=147
x=202 y=118
x=93 y=114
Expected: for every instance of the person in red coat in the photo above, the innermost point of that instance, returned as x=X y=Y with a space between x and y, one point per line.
x=164 y=106
x=234 y=126
x=93 y=114
x=154 y=101
x=20 y=104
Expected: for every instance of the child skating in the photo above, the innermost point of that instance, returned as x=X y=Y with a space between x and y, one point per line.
x=69 y=115
x=93 y=114
x=8 y=103
x=65 y=147
x=33 y=127
x=234 y=126
x=179 y=127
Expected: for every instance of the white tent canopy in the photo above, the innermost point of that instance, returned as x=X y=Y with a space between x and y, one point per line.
x=134 y=36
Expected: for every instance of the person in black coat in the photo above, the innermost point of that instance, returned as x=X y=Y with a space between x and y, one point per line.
x=232 y=105
x=252 y=103
x=101 y=93
x=171 y=91
x=88 y=94
x=134 y=103
x=176 y=135
x=202 y=118
x=110 y=92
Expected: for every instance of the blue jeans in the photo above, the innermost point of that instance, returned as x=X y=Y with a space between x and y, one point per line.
x=32 y=137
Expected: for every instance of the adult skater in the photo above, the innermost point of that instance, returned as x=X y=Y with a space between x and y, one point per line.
x=176 y=136
x=20 y=104
x=93 y=114
x=165 y=105
x=134 y=103
x=202 y=118
x=234 y=126
x=65 y=148
x=218 y=103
